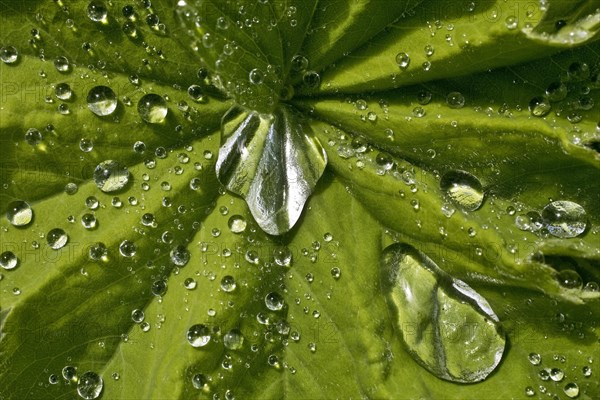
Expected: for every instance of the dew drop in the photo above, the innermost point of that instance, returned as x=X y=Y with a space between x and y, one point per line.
x=180 y=256
x=571 y=390
x=578 y=72
x=69 y=373
x=455 y=100
x=403 y=60
x=9 y=54
x=539 y=106
x=199 y=381
x=535 y=358
x=109 y=176
x=189 y=283
x=101 y=100
x=127 y=248
x=152 y=108
x=511 y=22
x=57 y=238
x=256 y=76
x=556 y=91
x=88 y=221
x=233 y=340
x=311 y=79
x=557 y=374
x=299 y=63
x=463 y=188
x=159 y=287
x=564 y=219
x=274 y=301
x=282 y=256
x=62 y=64
x=137 y=316
x=196 y=93
x=97 y=251
x=198 y=335
x=237 y=224
x=86 y=145
x=89 y=385
x=63 y=91
x=437 y=316
x=336 y=272
x=97 y=11
x=33 y=136
x=19 y=213
x=228 y=283
x=8 y=260
x=569 y=279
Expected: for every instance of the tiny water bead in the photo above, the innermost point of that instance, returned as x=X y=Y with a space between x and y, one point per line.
x=101 y=100
x=282 y=256
x=110 y=176
x=237 y=224
x=455 y=100
x=97 y=251
x=539 y=106
x=57 y=238
x=274 y=301
x=9 y=54
x=33 y=136
x=19 y=213
x=62 y=64
x=152 y=108
x=199 y=381
x=63 y=91
x=564 y=219
x=233 y=340
x=8 y=260
x=127 y=248
x=89 y=385
x=97 y=11
x=137 y=316
x=228 y=283
x=198 y=335
x=463 y=188
x=180 y=256
x=403 y=60
x=159 y=288
x=88 y=221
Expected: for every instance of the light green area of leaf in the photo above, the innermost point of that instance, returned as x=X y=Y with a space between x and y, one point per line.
x=338 y=334
x=463 y=41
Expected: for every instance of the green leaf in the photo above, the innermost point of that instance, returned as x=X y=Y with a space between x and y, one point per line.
x=453 y=170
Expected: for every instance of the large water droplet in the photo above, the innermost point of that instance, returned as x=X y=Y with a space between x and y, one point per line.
x=464 y=189
x=19 y=213
x=9 y=54
x=447 y=327
x=8 y=260
x=564 y=219
x=198 y=335
x=57 y=238
x=152 y=108
x=110 y=176
x=90 y=385
x=101 y=100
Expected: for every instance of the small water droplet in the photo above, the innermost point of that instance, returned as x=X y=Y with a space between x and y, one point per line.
x=63 y=91
x=539 y=106
x=57 y=238
x=33 y=136
x=110 y=176
x=137 y=316
x=89 y=385
x=198 y=335
x=233 y=340
x=256 y=76
x=569 y=279
x=97 y=11
x=557 y=374
x=62 y=64
x=455 y=100
x=571 y=390
x=69 y=373
x=152 y=108
x=159 y=287
x=564 y=219
x=429 y=50
x=9 y=54
x=88 y=221
x=199 y=381
x=311 y=79
x=180 y=256
x=274 y=301
x=556 y=91
x=282 y=256
x=299 y=63
x=8 y=260
x=535 y=358
x=578 y=72
x=511 y=22
x=19 y=213
x=237 y=224
x=189 y=283
x=127 y=248
x=403 y=60
x=97 y=251
x=101 y=100
x=463 y=188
